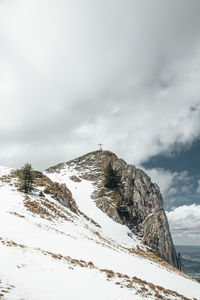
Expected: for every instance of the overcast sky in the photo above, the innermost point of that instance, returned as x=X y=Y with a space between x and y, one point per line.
x=74 y=72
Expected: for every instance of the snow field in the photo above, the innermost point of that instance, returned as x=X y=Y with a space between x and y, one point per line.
x=122 y=262
x=36 y=275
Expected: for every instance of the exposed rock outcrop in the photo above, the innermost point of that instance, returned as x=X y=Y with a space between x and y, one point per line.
x=59 y=192
x=141 y=206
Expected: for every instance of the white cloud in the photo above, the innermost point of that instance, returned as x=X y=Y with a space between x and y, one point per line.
x=184 y=223
x=73 y=73
x=170 y=183
x=164 y=179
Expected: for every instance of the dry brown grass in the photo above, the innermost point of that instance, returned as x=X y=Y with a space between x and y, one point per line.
x=47 y=210
x=90 y=264
x=57 y=192
x=16 y=214
x=5 y=179
x=68 y=259
x=140 y=286
x=56 y=211
x=36 y=208
x=147 y=254
x=4 y=289
x=56 y=230
x=11 y=243
x=100 y=237
x=147 y=288
x=109 y=273
x=144 y=253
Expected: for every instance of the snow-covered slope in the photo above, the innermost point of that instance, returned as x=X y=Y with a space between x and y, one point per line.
x=49 y=252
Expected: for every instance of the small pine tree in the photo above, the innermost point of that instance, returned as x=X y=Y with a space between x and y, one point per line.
x=26 y=178
x=130 y=201
x=111 y=177
x=118 y=202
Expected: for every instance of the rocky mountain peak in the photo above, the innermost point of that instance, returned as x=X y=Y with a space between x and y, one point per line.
x=136 y=202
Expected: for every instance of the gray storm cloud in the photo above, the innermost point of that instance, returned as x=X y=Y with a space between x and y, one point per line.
x=73 y=73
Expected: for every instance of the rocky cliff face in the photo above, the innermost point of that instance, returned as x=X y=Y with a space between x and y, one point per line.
x=136 y=202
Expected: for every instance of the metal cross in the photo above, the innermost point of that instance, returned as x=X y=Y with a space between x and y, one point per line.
x=100 y=144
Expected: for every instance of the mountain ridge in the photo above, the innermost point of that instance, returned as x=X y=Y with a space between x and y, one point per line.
x=56 y=243
x=146 y=216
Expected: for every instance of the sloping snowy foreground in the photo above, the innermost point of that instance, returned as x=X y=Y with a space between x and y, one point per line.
x=48 y=252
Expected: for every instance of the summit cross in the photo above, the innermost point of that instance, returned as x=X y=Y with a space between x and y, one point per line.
x=100 y=145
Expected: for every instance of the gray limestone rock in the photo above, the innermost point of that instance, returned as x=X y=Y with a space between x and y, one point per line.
x=141 y=203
